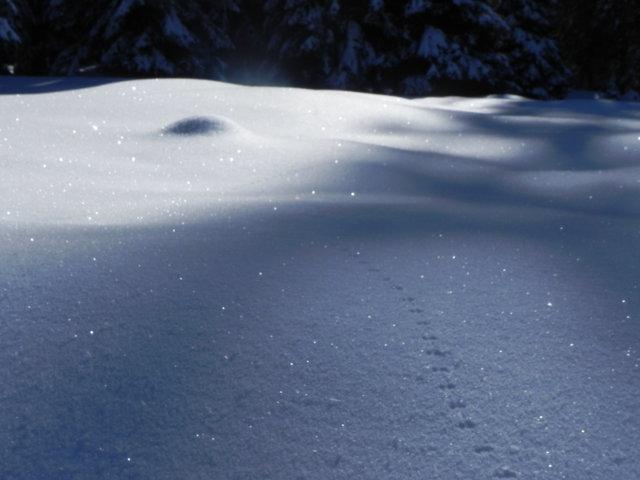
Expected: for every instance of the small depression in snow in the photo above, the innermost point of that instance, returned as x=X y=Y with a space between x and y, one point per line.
x=192 y=126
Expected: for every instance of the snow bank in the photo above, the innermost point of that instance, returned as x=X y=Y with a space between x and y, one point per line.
x=202 y=280
x=94 y=161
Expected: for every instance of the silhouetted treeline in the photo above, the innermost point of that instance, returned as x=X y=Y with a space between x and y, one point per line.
x=538 y=48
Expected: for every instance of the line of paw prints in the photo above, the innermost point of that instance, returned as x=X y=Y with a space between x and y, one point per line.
x=443 y=366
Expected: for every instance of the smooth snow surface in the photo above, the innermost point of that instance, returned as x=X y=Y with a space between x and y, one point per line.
x=208 y=281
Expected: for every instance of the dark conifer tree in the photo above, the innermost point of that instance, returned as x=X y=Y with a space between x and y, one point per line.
x=417 y=47
x=454 y=47
x=537 y=66
x=75 y=26
x=331 y=43
x=250 y=60
x=601 y=42
x=153 y=37
x=48 y=28
x=11 y=33
x=411 y=47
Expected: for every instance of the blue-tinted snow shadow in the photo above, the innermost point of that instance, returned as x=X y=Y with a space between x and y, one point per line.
x=168 y=372
x=126 y=372
x=464 y=195
x=567 y=149
x=486 y=185
x=13 y=85
x=164 y=346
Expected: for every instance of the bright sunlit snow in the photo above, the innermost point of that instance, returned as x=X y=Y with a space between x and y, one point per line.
x=202 y=280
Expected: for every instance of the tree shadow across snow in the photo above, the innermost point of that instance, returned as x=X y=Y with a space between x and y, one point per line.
x=153 y=352
x=485 y=185
x=563 y=161
x=568 y=131
x=149 y=353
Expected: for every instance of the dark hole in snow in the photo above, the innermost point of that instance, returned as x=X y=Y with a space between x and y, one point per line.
x=195 y=126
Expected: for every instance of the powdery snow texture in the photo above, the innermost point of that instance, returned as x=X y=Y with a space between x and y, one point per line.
x=202 y=280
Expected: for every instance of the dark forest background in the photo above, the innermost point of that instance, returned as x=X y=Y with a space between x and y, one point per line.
x=537 y=48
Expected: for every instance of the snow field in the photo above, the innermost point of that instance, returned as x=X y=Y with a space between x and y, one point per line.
x=202 y=280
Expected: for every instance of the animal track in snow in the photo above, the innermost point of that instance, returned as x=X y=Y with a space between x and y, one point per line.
x=466 y=423
x=336 y=461
x=505 y=472
x=438 y=369
x=483 y=449
x=447 y=387
x=437 y=352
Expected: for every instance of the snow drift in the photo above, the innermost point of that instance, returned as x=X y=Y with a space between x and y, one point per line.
x=307 y=284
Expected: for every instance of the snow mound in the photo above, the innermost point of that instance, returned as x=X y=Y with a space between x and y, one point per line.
x=191 y=126
x=315 y=284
